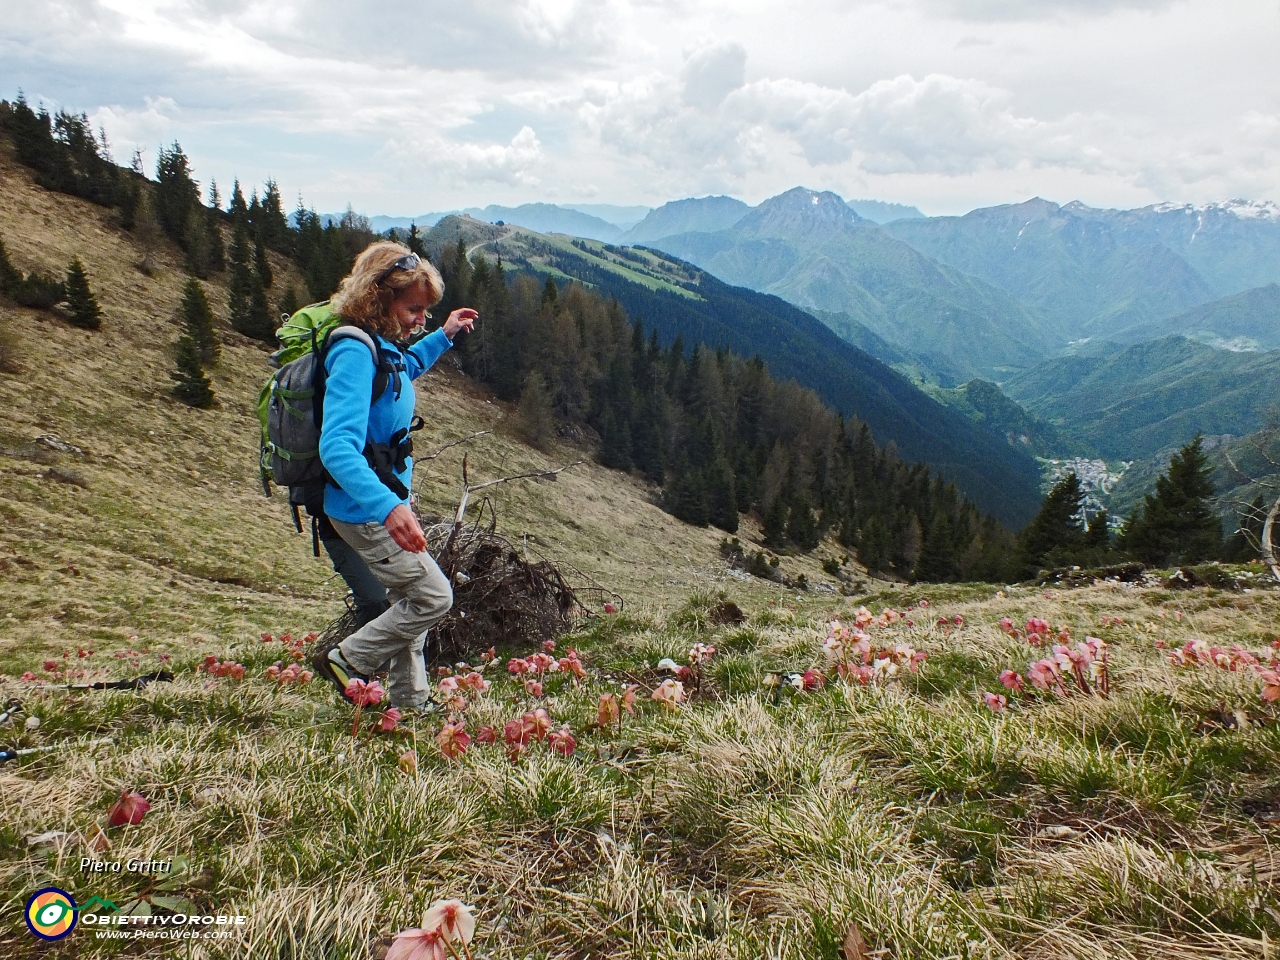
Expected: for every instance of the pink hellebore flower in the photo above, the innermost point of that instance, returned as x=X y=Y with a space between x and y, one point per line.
x=539 y=722
x=669 y=693
x=924 y=604
x=452 y=919
x=517 y=666
x=390 y=717
x=1011 y=680
x=609 y=711
x=130 y=808
x=365 y=694
x=448 y=686
x=533 y=688
x=701 y=653
x=453 y=740
x=476 y=682
x=628 y=701
x=548 y=646
x=1006 y=625
x=416 y=944
x=610 y=608
x=1045 y=675
x=486 y=734
x=814 y=679
x=996 y=702
x=958 y=620
x=1271 y=688
x=562 y=742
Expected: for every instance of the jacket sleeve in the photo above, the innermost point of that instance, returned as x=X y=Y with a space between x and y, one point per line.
x=420 y=357
x=345 y=427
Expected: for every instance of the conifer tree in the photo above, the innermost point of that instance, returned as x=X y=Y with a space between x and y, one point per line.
x=802 y=529
x=686 y=497
x=238 y=210
x=197 y=321
x=1176 y=523
x=240 y=282
x=289 y=303
x=414 y=241
x=1097 y=536
x=261 y=324
x=260 y=263
x=615 y=449
x=192 y=387
x=536 y=418
x=775 y=522
x=82 y=305
x=722 y=497
x=1055 y=532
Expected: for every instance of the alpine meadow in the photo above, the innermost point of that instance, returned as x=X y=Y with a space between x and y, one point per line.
x=826 y=579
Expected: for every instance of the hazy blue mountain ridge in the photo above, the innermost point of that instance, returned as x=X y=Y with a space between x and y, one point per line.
x=694 y=215
x=879 y=211
x=811 y=249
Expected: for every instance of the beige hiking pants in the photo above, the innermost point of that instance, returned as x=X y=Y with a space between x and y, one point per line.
x=420 y=597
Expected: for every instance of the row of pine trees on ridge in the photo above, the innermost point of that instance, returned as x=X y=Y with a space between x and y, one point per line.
x=714 y=431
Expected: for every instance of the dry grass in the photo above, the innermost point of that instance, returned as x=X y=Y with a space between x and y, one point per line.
x=741 y=826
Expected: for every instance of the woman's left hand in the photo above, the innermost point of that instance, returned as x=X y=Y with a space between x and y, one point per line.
x=463 y=318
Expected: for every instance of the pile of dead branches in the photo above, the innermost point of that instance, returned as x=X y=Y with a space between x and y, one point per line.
x=503 y=592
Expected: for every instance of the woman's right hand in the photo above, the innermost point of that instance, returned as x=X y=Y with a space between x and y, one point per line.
x=404 y=529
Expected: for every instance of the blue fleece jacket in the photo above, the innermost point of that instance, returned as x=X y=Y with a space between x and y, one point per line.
x=349 y=421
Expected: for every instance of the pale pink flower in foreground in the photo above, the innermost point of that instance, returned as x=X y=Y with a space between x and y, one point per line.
x=416 y=944
x=1045 y=675
x=517 y=666
x=996 y=702
x=453 y=740
x=562 y=742
x=390 y=717
x=273 y=671
x=365 y=694
x=448 y=686
x=533 y=688
x=457 y=704
x=130 y=808
x=1011 y=680
x=862 y=616
x=452 y=919
x=669 y=693
x=542 y=663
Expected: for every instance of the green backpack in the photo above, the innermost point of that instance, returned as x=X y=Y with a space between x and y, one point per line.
x=290 y=403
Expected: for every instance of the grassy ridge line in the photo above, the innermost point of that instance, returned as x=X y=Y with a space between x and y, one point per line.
x=1140 y=826
x=167 y=536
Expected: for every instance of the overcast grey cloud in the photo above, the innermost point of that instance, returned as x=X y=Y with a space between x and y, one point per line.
x=425 y=105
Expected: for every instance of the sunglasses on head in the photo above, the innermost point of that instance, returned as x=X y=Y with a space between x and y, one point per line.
x=408 y=262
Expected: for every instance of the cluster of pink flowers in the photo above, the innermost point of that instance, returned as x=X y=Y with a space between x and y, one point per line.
x=293 y=673
x=520 y=734
x=1036 y=631
x=612 y=705
x=1086 y=665
x=850 y=652
x=455 y=688
x=1198 y=653
x=293 y=644
x=701 y=653
x=216 y=668
x=543 y=663
x=447 y=928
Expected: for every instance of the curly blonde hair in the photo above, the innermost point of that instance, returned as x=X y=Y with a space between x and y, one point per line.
x=365 y=296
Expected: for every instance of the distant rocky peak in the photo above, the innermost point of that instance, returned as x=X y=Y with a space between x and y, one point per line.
x=799 y=207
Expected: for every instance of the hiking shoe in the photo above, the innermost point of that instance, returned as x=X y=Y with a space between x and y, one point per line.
x=333 y=666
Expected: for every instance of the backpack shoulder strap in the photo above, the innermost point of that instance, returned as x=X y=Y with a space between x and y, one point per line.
x=382 y=368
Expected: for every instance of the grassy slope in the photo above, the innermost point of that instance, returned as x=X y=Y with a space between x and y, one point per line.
x=1143 y=826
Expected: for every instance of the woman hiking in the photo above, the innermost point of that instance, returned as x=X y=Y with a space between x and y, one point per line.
x=368 y=456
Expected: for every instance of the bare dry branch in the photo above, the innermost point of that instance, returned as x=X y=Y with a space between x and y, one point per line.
x=451 y=443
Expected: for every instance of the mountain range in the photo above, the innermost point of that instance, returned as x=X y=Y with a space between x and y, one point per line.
x=676 y=298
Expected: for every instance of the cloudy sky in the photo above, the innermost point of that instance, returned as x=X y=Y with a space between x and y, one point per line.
x=418 y=105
